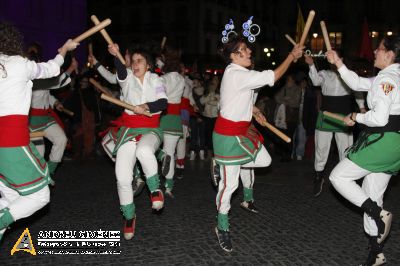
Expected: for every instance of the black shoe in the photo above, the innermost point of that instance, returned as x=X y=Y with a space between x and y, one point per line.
x=375 y=259
x=215 y=173
x=382 y=218
x=249 y=206
x=165 y=165
x=224 y=239
x=318 y=183
x=375 y=256
x=179 y=173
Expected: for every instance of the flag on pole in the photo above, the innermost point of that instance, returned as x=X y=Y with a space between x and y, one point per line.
x=366 y=43
x=299 y=24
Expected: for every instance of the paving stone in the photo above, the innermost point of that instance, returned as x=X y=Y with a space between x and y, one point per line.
x=292 y=228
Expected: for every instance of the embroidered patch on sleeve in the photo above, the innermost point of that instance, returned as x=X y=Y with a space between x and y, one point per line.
x=160 y=90
x=387 y=87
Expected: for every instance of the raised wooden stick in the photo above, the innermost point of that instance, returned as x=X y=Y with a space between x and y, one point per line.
x=37 y=134
x=307 y=27
x=290 y=39
x=68 y=112
x=99 y=87
x=334 y=116
x=120 y=103
x=277 y=132
x=164 y=39
x=93 y=30
x=107 y=38
x=326 y=36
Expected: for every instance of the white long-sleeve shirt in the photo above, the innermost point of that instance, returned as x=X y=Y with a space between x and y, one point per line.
x=237 y=91
x=175 y=85
x=107 y=75
x=41 y=97
x=383 y=94
x=332 y=85
x=187 y=91
x=16 y=81
x=135 y=93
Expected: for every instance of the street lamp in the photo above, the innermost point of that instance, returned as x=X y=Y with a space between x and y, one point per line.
x=266 y=50
x=389 y=33
x=315 y=35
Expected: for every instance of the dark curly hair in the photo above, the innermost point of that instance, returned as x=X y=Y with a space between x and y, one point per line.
x=231 y=47
x=172 y=60
x=143 y=51
x=10 y=40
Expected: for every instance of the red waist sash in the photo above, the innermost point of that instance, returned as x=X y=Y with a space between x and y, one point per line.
x=174 y=109
x=185 y=103
x=227 y=127
x=14 y=131
x=46 y=112
x=230 y=128
x=138 y=121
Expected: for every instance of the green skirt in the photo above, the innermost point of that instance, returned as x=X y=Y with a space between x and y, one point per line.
x=23 y=169
x=236 y=150
x=378 y=152
x=171 y=124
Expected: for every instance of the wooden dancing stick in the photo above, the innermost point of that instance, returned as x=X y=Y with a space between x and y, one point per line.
x=164 y=40
x=37 y=134
x=307 y=27
x=93 y=30
x=90 y=48
x=68 y=112
x=277 y=132
x=290 y=39
x=120 y=103
x=107 y=38
x=100 y=88
x=326 y=36
x=334 y=116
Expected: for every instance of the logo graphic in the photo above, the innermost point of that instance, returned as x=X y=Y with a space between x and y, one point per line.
x=24 y=243
x=387 y=87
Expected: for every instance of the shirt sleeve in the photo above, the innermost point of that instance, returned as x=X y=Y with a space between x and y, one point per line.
x=254 y=79
x=107 y=75
x=45 y=70
x=385 y=93
x=51 y=83
x=355 y=82
x=161 y=90
x=317 y=78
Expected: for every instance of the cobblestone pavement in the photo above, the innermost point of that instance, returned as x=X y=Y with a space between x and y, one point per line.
x=292 y=228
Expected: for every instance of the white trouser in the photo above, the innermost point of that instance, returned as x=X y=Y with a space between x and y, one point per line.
x=56 y=135
x=343 y=178
x=247 y=177
x=23 y=206
x=39 y=147
x=230 y=179
x=170 y=142
x=323 y=144
x=181 y=148
x=126 y=159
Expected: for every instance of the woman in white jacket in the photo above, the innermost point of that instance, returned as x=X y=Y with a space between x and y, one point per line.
x=376 y=154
